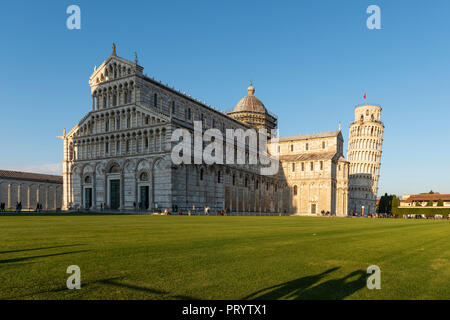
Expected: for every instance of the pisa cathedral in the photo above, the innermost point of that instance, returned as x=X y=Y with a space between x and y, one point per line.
x=118 y=156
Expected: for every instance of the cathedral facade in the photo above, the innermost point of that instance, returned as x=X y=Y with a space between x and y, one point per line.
x=118 y=156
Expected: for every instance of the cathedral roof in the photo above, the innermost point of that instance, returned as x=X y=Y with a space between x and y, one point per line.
x=308 y=156
x=310 y=136
x=250 y=103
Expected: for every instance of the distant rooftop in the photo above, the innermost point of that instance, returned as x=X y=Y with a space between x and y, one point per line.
x=428 y=197
x=29 y=176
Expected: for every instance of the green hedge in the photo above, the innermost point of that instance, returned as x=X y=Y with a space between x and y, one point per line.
x=424 y=210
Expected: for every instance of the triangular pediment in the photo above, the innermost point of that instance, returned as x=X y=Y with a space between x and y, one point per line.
x=112 y=68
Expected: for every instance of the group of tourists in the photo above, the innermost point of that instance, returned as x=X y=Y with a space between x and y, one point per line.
x=19 y=206
x=38 y=207
x=381 y=215
x=2 y=207
x=423 y=216
x=326 y=213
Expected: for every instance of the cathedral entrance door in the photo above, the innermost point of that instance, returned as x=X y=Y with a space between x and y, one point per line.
x=88 y=198
x=114 y=194
x=144 y=197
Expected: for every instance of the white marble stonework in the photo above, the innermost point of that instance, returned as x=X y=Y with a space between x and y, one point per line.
x=118 y=155
x=364 y=153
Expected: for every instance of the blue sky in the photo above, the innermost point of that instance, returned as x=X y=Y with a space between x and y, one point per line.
x=311 y=62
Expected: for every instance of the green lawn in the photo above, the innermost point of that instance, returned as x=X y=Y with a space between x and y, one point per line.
x=174 y=257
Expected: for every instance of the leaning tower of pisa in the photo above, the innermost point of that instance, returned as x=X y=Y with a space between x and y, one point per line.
x=364 y=153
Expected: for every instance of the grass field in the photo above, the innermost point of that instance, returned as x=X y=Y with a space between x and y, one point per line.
x=178 y=257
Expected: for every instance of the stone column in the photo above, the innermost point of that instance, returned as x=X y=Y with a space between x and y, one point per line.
x=105 y=190
x=152 y=190
x=94 y=189
x=46 y=197
x=18 y=192
x=122 y=191
x=9 y=195
x=28 y=197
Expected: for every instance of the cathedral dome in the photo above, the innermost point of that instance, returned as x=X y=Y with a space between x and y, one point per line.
x=250 y=103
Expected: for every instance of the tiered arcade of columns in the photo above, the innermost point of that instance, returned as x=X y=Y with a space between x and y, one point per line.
x=364 y=153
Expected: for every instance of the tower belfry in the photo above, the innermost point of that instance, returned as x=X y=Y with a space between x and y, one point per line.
x=364 y=153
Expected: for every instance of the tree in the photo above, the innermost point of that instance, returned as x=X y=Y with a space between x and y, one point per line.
x=430 y=203
x=395 y=201
x=387 y=202
x=418 y=204
x=440 y=203
x=382 y=206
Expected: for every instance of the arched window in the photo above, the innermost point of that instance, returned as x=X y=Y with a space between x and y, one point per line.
x=218 y=177
x=173 y=107
x=88 y=179
x=292 y=147
x=201 y=174
x=114 y=169
x=295 y=190
x=155 y=100
x=143 y=176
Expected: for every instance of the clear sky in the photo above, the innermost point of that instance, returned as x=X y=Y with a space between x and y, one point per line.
x=311 y=62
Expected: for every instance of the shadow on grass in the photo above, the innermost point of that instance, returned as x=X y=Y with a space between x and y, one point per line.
x=41 y=256
x=117 y=283
x=305 y=289
x=61 y=214
x=42 y=248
